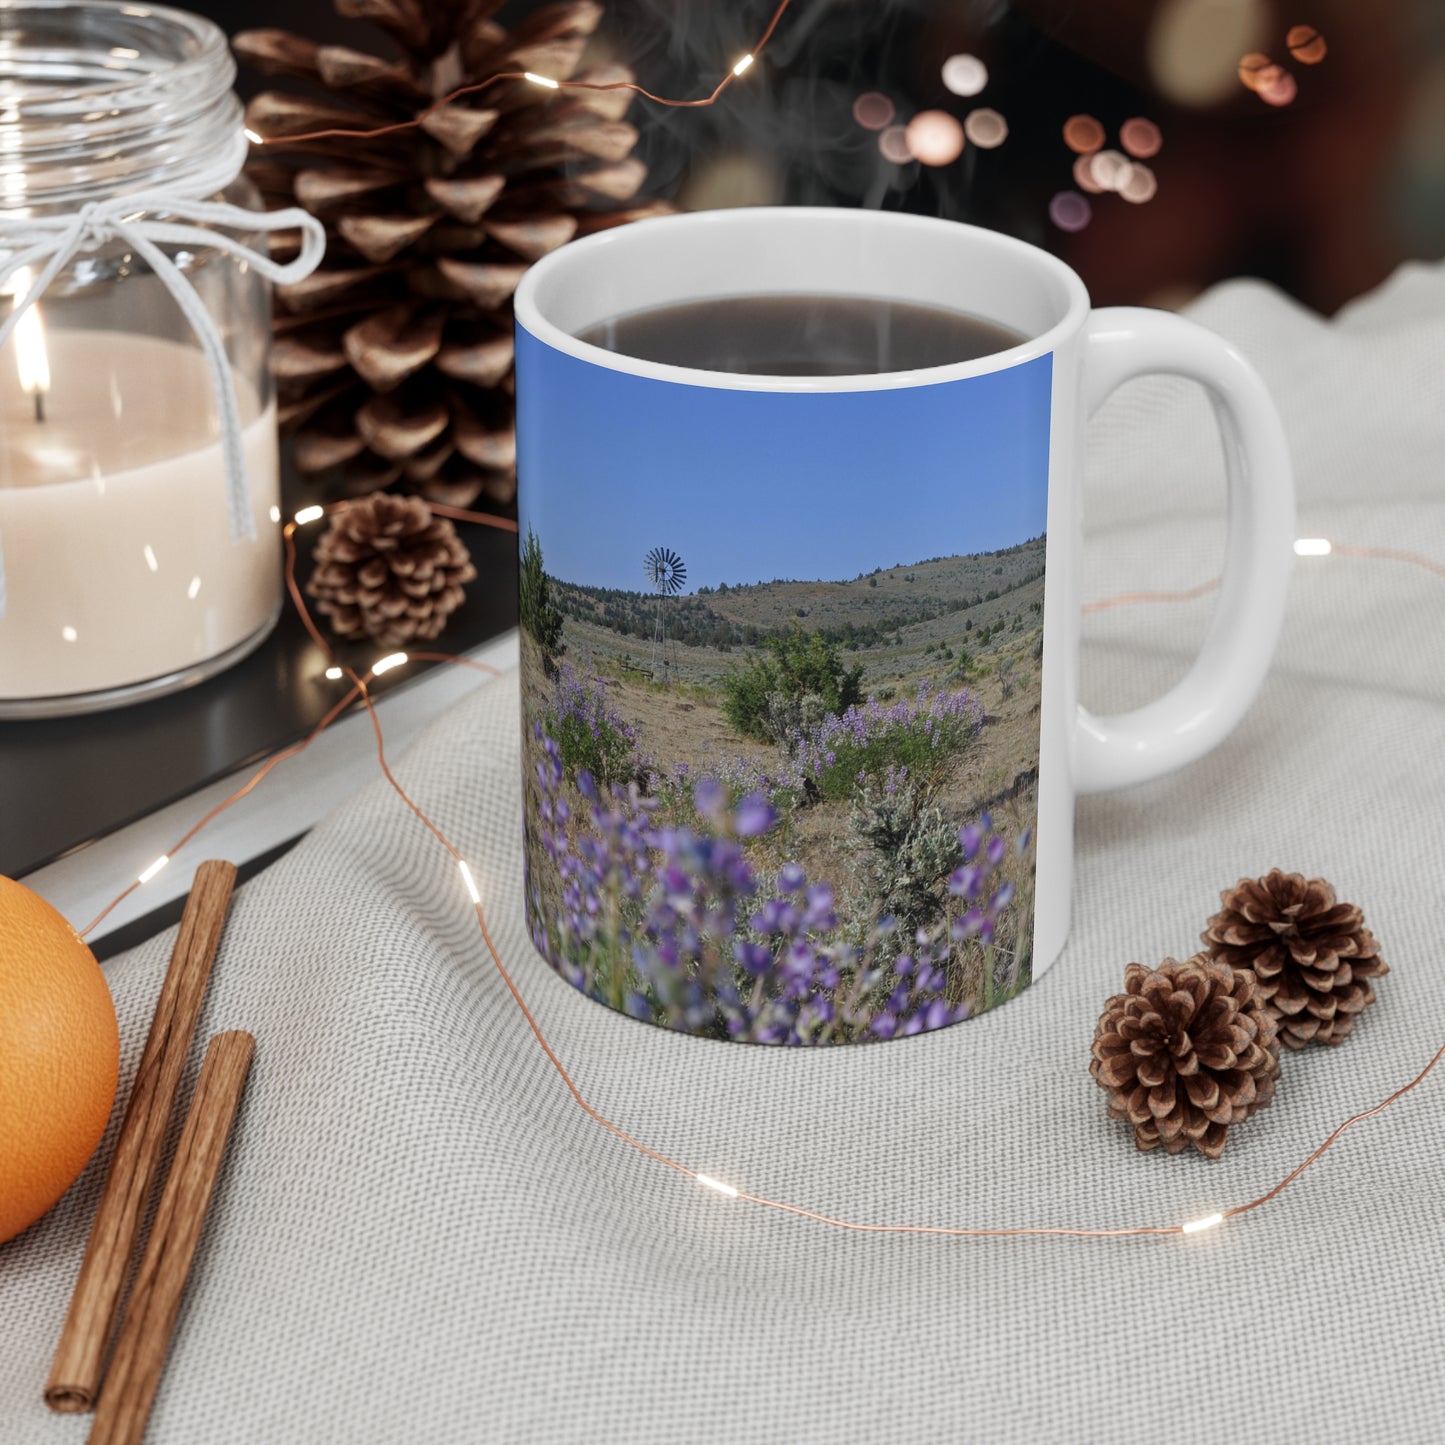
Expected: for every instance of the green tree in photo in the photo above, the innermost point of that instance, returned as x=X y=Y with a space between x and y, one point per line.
x=538 y=610
x=797 y=665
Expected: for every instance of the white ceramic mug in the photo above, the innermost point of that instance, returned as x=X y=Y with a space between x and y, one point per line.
x=623 y=461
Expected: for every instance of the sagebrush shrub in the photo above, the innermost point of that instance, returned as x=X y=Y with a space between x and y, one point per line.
x=906 y=850
x=795 y=665
x=790 y=718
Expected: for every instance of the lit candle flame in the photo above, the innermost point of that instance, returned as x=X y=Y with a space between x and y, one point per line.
x=30 y=356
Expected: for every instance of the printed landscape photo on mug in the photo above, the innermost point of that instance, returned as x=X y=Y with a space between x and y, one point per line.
x=781 y=712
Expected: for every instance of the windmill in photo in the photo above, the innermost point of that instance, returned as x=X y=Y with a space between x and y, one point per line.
x=667 y=573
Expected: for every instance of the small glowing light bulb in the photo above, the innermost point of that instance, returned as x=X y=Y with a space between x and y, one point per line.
x=1195 y=1226
x=385 y=664
x=1313 y=547
x=256 y=140
x=333 y=674
x=708 y=1182
x=275 y=513
x=469 y=880
x=742 y=64
x=541 y=80
x=309 y=514
x=155 y=868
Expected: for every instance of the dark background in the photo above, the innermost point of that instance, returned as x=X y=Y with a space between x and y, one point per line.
x=1323 y=196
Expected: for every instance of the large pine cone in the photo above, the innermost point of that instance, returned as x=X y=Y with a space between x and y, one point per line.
x=1313 y=957
x=388 y=570
x=1185 y=1051
x=394 y=359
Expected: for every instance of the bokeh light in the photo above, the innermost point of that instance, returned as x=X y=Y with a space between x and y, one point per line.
x=1140 y=137
x=872 y=110
x=934 y=137
x=1266 y=76
x=1306 y=44
x=1252 y=66
x=893 y=142
x=1110 y=170
x=985 y=128
x=965 y=74
x=1140 y=184
x=1070 y=211
x=1084 y=175
x=1194 y=46
x=1278 y=87
x=1083 y=134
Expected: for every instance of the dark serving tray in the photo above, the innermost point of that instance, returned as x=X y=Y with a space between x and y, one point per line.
x=65 y=782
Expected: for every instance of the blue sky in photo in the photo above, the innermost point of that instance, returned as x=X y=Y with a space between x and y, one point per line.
x=750 y=486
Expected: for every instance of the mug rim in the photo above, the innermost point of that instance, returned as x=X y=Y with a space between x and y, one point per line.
x=530 y=317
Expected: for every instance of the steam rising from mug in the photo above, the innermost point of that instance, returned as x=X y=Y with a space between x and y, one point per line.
x=794 y=131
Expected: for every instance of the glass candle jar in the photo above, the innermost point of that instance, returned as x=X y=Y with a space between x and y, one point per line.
x=131 y=568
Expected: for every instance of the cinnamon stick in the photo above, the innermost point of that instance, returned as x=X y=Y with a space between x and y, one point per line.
x=75 y=1372
x=155 y=1298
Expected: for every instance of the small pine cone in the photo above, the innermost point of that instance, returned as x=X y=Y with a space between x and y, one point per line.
x=1313 y=957
x=387 y=569
x=1185 y=1051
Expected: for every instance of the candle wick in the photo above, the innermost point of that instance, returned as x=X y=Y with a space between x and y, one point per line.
x=39 y=404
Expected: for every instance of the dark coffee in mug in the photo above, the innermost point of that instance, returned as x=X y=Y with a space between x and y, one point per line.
x=801 y=335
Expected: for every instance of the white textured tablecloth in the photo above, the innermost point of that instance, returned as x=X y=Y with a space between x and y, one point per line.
x=419 y=1238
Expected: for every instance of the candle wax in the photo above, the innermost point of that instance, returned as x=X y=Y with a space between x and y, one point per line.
x=114 y=522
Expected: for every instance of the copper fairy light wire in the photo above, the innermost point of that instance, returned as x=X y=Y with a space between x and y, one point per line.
x=1304 y=547
x=254 y=781
x=360 y=689
x=656 y=1155
x=741 y=66
x=307 y=514
x=1348 y=1123
x=1130 y=599
x=1388 y=554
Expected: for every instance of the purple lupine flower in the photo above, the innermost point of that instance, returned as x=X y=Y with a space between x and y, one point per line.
x=753 y=816
x=819 y=913
x=791 y=877
x=709 y=798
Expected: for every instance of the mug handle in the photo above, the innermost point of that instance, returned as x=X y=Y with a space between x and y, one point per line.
x=1123 y=342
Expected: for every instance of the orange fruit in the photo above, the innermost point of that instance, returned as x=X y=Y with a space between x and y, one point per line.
x=59 y=1056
